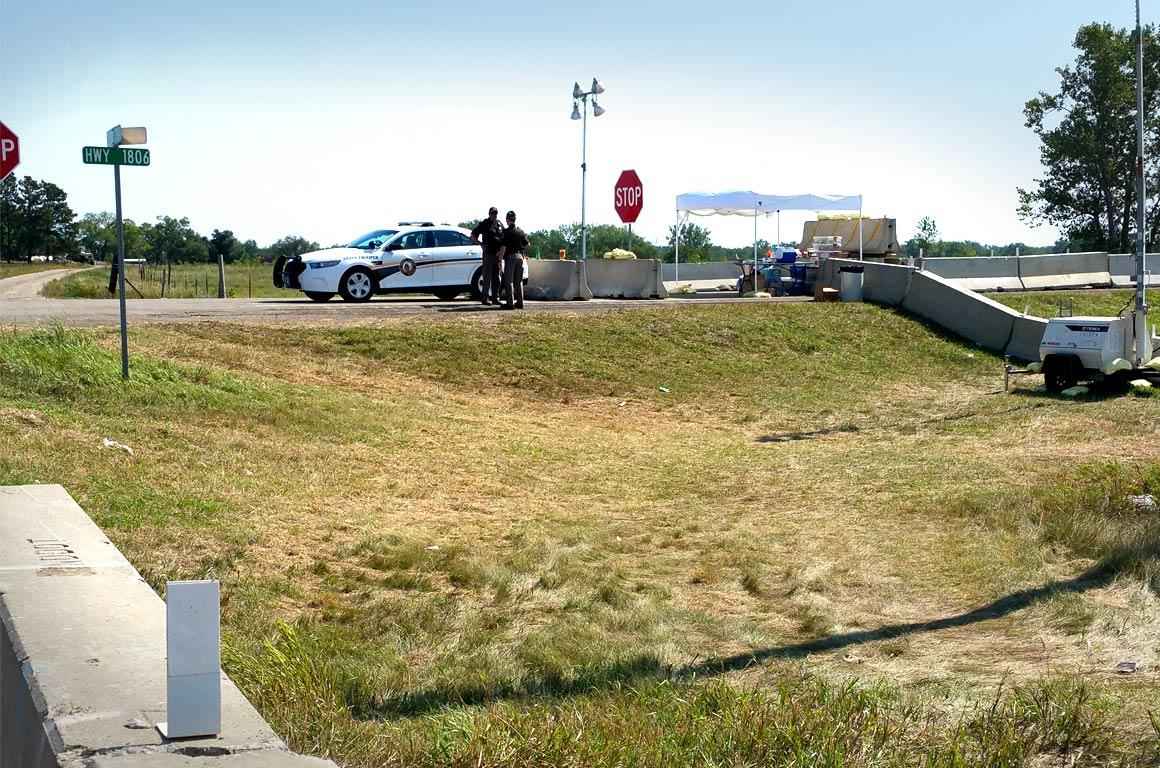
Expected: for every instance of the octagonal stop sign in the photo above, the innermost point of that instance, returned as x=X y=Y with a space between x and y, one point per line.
x=9 y=151
x=629 y=196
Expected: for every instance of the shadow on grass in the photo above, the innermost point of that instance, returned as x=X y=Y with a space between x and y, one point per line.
x=646 y=667
x=1112 y=388
x=790 y=437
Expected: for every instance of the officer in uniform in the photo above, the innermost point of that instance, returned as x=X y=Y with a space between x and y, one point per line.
x=512 y=249
x=491 y=232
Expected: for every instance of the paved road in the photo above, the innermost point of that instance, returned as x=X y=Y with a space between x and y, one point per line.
x=28 y=286
x=100 y=312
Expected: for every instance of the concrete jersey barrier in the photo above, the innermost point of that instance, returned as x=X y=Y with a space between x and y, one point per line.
x=1026 y=333
x=881 y=283
x=1122 y=267
x=978 y=273
x=1064 y=270
x=82 y=654
x=965 y=313
x=977 y=318
x=625 y=279
x=557 y=280
x=724 y=271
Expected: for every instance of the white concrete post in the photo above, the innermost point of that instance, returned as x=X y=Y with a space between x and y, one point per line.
x=193 y=660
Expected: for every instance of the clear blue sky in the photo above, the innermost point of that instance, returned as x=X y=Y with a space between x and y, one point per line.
x=326 y=119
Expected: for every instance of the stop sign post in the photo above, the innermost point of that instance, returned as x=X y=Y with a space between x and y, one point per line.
x=9 y=151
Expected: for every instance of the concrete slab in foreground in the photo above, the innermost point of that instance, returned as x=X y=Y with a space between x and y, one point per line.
x=82 y=652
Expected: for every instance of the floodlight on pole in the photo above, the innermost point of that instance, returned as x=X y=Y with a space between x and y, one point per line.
x=581 y=113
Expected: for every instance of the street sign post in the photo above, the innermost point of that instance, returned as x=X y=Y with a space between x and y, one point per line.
x=9 y=151
x=116 y=156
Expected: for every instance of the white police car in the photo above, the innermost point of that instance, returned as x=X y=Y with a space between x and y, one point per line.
x=410 y=258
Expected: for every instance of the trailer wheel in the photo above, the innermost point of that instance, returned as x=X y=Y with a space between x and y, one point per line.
x=1059 y=373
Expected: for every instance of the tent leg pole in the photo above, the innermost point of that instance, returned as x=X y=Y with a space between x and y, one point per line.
x=677 y=249
x=755 y=252
x=860 y=256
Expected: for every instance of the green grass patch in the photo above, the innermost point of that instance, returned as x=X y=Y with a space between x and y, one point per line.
x=1093 y=302
x=822 y=357
x=788 y=720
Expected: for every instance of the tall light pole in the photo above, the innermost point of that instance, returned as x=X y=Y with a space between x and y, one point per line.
x=1143 y=334
x=579 y=96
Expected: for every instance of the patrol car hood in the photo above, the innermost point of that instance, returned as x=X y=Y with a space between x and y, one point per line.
x=330 y=254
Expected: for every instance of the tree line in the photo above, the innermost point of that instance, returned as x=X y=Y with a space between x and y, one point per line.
x=37 y=221
x=926 y=243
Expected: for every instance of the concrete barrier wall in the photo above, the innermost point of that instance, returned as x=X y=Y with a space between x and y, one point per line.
x=22 y=741
x=557 y=280
x=985 y=322
x=978 y=274
x=82 y=654
x=881 y=283
x=1026 y=333
x=725 y=271
x=1122 y=267
x=625 y=279
x=1064 y=270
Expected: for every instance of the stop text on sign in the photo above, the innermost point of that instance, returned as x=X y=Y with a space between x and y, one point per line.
x=9 y=151
x=629 y=197
x=115 y=156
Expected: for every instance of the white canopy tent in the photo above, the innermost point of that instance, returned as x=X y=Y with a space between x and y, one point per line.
x=755 y=204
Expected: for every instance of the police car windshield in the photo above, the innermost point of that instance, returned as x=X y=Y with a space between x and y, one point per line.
x=371 y=239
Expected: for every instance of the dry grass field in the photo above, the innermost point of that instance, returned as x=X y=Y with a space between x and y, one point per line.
x=187 y=281
x=727 y=535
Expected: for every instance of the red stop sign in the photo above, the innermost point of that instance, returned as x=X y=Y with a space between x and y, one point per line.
x=9 y=151
x=629 y=196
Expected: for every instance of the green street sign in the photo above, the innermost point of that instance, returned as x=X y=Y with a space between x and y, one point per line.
x=115 y=156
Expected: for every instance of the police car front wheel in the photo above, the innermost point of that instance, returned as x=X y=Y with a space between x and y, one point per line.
x=357 y=285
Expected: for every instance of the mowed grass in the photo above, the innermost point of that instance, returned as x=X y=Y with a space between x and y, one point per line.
x=188 y=281
x=15 y=269
x=759 y=535
x=1096 y=302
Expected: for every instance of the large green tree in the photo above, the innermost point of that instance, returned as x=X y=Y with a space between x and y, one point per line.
x=174 y=241
x=1088 y=141
x=97 y=235
x=291 y=245
x=35 y=220
x=695 y=243
x=222 y=243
